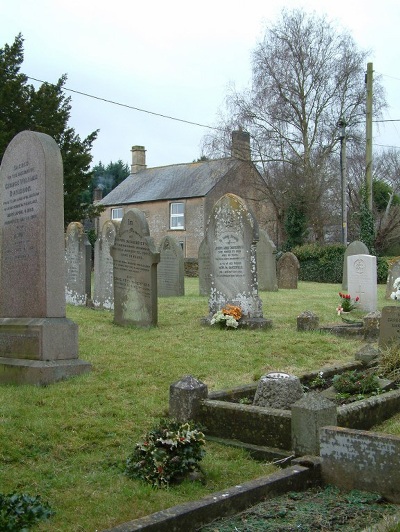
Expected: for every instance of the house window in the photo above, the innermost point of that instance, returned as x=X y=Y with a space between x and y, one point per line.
x=177 y=216
x=116 y=214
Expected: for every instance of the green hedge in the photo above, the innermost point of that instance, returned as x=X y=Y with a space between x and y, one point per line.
x=324 y=264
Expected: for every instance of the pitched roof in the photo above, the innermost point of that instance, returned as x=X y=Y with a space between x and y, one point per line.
x=170 y=182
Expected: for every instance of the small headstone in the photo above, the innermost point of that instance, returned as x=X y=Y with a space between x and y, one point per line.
x=393 y=274
x=204 y=269
x=78 y=259
x=288 y=271
x=307 y=321
x=371 y=323
x=184 y=398
x=278 y=390
x=135 y=272
x=389 y=327
x=170 y=269
x=103 y=291
x=309 y=415
x=231 y=235
x=354 y=248
x=38 y=344
x=362 y=281
x=266 y=263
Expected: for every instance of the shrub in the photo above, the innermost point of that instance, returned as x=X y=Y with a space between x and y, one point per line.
x=355 y=382
x=323 y=264
x=389 y=362
x=168 y=452
x=19 y=512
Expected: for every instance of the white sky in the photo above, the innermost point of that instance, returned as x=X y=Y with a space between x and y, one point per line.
x=175 y=58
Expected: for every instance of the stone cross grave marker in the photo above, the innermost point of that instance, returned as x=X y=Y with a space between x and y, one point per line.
x=135 y=272
x=354 y=248
x=266 y=263
x=78 y=261
x=288 y=271
x=389 y=331
x=103 y=290
x=362 y=281
x=231 y=235
x=38 y=344
x=170 y=269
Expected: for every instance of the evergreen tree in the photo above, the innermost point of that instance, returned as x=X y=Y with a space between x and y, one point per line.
x=46 y=110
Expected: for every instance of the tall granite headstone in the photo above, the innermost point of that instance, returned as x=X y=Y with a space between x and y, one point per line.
x=266 y=263
x=38 y=344
x=135 y=272
x=232 y=234
x=170 y=269
x=78 y=264
x=204 y=269
x=362 y=281
x=103 y=289
x=288 y=271
x=354 y=248
x=393 y=274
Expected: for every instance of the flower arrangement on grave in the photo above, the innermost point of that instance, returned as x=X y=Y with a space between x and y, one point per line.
x=396 y=290
x=228 y=316
x=167 y=453
x=347 y=304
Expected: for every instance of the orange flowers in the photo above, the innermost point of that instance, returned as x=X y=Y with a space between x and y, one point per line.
x=232 y=310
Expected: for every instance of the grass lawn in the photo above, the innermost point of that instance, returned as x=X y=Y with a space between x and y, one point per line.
x=68 y=442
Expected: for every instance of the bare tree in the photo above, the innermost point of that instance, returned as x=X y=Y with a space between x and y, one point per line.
x=307 y=75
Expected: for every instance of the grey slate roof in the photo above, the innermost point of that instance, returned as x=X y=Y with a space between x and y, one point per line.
x=176 y=181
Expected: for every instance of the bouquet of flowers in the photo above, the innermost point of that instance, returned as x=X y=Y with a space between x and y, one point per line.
x=346 y=303
x=229 y=316
x=396 y=290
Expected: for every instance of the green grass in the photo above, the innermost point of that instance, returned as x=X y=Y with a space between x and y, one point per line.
x=68 y=442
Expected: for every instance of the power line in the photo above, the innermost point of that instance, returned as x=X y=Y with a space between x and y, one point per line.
x=129 y=106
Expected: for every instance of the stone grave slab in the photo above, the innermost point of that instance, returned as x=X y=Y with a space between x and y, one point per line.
x=266 y=263
x=389 y=332
x=354 y=248
x=362 y=281
x=288 y=271
x=103 y=290
x=170 y=269
x=78 y=264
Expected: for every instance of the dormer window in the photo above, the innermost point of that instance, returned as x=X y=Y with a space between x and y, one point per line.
x=177 y=216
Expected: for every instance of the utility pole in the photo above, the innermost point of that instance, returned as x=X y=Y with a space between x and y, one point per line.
x=343 y=175
x=368 y=150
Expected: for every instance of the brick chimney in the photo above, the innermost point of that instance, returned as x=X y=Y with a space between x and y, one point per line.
x=97 y=194
x=241 y=145
x=138 y=159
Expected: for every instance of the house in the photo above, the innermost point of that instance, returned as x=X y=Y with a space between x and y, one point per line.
x=177 y=199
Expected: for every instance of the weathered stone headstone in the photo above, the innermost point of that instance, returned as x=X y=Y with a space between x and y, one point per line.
x=288 y=271
x=362 y=281
x=204 y=269
x=135 y=272
x=307 y=321
x=231 y=235
x=393 y=274
x=38 y=344
x=354 y=248
x=78 y=260
x=103 y=290
x=170 y=269
x=389 y=332
x=184 y=398
x=278 y=390
x=266 y=263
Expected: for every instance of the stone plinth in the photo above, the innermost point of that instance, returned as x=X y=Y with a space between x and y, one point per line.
x=184 y=398
x=307 y=321
x=278 y=390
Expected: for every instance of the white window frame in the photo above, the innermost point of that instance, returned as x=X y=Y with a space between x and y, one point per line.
x=117 y=213
x=177 y=219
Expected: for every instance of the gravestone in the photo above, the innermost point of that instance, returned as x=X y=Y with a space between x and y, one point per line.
x=266 y=263
x=354 y=248
x=78 y=265
x=288 y=271
x=389 y=331
x=393 y=274
x=231 y=236
x=170 y=269
x=204 y=269
x=278 y=390
x=103 y=290
x=362 y=281
x=38 y=344
x=135 y=262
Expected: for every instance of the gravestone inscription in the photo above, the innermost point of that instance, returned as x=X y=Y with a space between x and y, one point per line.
x=38 y=344
x=354 y=248
x=78 y=258
x=170 y=269
x=389 y=331
x=362 y=281
x=135 y=272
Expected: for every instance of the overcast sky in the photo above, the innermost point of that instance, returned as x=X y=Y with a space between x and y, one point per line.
x=175 y=58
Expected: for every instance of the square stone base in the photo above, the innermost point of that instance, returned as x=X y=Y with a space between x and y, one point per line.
x=40 y=372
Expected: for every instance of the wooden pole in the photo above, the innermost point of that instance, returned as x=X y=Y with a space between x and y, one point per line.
x=368 y=167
